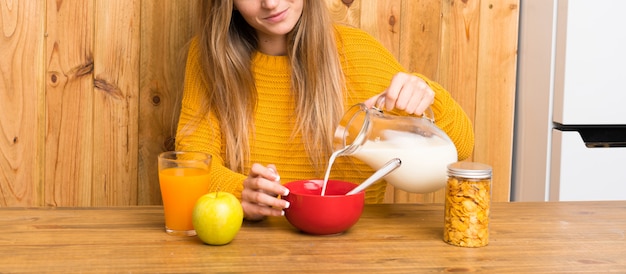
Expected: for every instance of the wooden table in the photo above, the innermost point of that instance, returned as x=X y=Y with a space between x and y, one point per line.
x=525 y=237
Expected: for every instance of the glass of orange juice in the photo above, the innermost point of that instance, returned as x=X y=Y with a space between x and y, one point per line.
x=184 y=177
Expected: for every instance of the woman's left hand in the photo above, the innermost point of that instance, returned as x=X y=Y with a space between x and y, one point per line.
x=406 y=92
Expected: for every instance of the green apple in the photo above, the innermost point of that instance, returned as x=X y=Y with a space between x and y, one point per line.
x=217 y=217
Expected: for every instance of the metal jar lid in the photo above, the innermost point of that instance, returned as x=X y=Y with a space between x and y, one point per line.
x=470 y=170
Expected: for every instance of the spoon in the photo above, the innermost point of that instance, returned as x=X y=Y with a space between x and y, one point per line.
x=382 y=172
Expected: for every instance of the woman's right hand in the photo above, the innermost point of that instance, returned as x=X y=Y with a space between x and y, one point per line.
x=261 y=189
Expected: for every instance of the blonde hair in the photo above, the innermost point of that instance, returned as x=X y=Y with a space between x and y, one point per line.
x=227 y=43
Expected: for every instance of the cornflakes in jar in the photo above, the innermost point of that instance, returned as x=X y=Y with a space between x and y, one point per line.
x=467 y=204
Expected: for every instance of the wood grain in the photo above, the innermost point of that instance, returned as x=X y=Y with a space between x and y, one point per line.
x=563 y=237
x=460 y=42
x=165 y=32
x=68 y=104
x=116 y=102
x=495 y=91
x=382 y=20
x=21 y=61
x=420 y=47
x=456 y=66
x=89 y=89
x=420 y=37
x=346 y=12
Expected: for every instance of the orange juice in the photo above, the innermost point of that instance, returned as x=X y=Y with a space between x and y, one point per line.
x=180 y=188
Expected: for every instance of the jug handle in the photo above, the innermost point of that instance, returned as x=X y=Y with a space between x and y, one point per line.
x=380 y=105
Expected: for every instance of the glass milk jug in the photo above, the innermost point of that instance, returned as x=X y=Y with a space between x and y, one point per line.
x=375 y=138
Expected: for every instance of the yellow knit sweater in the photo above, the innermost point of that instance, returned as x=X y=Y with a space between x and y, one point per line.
x=368 y=68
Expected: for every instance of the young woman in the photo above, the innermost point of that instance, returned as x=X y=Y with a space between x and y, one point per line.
x=267 y=82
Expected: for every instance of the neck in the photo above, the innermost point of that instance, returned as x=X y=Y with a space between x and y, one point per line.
x=273 y=45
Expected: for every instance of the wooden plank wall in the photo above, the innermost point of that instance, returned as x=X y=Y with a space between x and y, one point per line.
x=470 y=47
x=89 y=89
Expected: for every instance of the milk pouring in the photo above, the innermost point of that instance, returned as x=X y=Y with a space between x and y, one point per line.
x=375 y=138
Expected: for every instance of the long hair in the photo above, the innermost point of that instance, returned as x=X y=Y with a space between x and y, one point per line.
x=227 y=44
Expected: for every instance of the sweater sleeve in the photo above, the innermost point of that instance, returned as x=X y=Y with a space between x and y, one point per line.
x=202 y=133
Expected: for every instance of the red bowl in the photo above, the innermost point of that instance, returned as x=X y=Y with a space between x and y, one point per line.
x=333 y=213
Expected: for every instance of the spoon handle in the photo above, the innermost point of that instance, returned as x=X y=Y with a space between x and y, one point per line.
x=382 y=172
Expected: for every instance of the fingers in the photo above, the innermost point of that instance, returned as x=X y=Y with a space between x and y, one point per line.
x=265 y=179
x=262 y=198
x=256 y=212
x=371 y=102
x=393 y=92
x=408 y=93
x=259 y=197
x=268 y=172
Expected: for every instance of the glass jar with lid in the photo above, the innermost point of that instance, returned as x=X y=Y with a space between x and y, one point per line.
x=467 y=204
